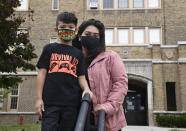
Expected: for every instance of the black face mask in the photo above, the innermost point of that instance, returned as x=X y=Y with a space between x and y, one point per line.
x=93 y=47
x=91 y=43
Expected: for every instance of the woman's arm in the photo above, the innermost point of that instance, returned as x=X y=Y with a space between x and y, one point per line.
x=119 y=86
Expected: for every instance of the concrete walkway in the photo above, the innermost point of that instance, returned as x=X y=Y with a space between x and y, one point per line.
x=151 y=128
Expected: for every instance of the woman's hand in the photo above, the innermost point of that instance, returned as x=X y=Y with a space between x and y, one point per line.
x=39 y=107
x=99 y=107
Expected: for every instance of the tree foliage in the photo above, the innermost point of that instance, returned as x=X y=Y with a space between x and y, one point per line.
x=16 y=50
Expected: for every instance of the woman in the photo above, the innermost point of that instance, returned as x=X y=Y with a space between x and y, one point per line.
x=106 y=74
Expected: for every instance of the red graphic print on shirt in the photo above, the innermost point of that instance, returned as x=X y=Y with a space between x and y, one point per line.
x=63 y=63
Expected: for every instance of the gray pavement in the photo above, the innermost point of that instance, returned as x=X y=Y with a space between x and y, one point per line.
x=151 y=128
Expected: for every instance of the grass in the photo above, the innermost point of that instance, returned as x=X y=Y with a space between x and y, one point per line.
x=20 y=127
x=176 y=130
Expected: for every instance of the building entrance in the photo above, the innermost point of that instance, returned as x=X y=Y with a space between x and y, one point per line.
x=135 y=104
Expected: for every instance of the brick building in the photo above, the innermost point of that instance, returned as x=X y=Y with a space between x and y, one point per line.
x=149 y=35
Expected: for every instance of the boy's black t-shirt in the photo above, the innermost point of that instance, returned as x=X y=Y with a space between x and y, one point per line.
x=64 y=64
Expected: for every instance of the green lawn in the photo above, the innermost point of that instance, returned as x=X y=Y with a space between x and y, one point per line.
x=176 y=130
x=20 y=128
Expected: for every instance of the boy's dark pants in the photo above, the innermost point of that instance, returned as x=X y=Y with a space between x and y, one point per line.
x=59 y=118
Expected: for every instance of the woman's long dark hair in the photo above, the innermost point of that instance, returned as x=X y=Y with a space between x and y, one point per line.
x=98 y=24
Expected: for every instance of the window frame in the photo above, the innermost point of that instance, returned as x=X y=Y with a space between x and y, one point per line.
x=144 y=34
x=1 y=103
x=118 y=43
x=126 y=7
x=160 y=35
x=53 y=5
x=113 y=1
x=144 y=1
x=10 y=98
x=171 y=105
x=88 y=5
x=53 y=39
x=159 y=5
x=113 y=36
x=131 y=36
x=116 y=5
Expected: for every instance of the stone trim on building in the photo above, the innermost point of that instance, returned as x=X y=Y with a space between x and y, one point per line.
x=17 y=113
x=169 y=112
x=20 y=73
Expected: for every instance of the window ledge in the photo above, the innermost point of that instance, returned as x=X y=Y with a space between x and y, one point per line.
x=17 y=113
x=20 y=74
x=23 y=10
x=127 y=9
x=169 y=112
x=181 y=42
x=54 y=9
x=113 y=45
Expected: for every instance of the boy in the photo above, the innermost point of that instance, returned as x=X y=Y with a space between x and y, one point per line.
x=61 y=68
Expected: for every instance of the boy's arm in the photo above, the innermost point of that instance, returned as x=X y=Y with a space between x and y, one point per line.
x=40 y=83
x=84 y=85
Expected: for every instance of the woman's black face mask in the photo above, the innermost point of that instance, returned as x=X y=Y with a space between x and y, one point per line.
x=90 y=43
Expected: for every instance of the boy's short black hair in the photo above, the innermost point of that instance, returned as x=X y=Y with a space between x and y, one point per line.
x=66 y=17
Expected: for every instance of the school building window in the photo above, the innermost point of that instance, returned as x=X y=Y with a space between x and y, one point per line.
x=123 y=36
x=14 y=98
x=138 y=3
x=93 y=4
x=153 y=3
x=53 y=40
x=154 y=36
x=55 y=4
x=108 y=4
x=1 y=98
x=139 y=36
x=23 y=6
x=132 y=35
x=123 y=4
x=22 y=31
x=171 y=96
x=109 y=36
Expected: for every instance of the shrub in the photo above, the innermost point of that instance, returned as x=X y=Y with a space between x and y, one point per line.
x=171 y=120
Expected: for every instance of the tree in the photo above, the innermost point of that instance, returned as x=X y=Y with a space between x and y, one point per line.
x=16 y=51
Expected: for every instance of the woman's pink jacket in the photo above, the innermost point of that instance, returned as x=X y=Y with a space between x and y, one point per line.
x=109 y=84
